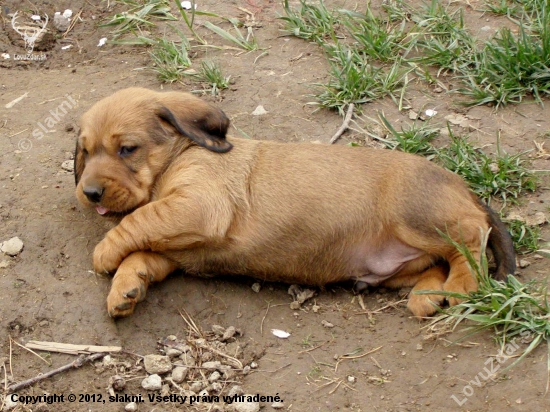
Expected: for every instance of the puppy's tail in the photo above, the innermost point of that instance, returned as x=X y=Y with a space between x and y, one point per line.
x=501 y=244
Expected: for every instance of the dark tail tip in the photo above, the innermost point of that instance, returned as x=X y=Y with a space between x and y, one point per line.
x=501 y=244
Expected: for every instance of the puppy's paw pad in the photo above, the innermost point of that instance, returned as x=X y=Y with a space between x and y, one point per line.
x=118 y=309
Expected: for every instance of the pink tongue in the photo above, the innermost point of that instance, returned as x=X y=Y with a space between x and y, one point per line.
x=101 y=210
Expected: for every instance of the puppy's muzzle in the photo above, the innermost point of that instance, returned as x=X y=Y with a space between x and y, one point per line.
x=93 y=193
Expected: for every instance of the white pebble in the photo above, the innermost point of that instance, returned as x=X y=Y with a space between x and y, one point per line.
x=131 y=407
x=12 y=247
x=152 y=383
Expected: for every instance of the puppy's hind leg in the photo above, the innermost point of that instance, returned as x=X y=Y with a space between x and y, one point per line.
x=432 y=279
x=461 y=279
x=132 y=278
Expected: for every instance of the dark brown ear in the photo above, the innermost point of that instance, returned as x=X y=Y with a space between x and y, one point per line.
x=207 y=130
x=78 y=163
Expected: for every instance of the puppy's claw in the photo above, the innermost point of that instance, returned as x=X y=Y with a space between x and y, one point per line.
x=127 y=290
x=131 y=294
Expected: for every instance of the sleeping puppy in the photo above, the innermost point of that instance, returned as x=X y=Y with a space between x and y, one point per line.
x=188 y=197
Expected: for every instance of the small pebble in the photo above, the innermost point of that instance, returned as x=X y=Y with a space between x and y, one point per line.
x=131 y=407
x=254 y=365
x=9 y=403
x=327 y=324
x=259 y=111
x=218 y=330
x=117 y=382
x=12 y=247
x=152 y=383
x=165 y=390
x=246 y=406
x=277 y=405
x=256 y=287
x=173 y=353
x=217 y=387
x=212 y=366
x=196 y=387
x=157 y=364
x=214 y=377
x=179 y=374
x=235 y=390
x=229 y=333
x=68 y=165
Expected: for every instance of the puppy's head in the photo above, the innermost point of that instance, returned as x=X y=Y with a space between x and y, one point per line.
x=128 y=139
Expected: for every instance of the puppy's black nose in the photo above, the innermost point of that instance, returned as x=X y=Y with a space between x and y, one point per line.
x=93 y=193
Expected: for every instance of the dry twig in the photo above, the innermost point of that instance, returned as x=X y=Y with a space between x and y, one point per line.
x=73 y=365
x=345 y=124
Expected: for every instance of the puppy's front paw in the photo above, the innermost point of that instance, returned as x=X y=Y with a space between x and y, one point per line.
x=460 y=284
x=424 y=305
x=106 y=257
x=128 y=288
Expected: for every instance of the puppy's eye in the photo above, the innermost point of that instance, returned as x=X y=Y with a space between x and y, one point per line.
x=126 y=151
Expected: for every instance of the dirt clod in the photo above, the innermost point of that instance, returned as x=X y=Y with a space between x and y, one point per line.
x=12 y=247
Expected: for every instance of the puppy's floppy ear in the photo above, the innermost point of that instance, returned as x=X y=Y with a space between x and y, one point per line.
x=78 y=163
x=207 y=130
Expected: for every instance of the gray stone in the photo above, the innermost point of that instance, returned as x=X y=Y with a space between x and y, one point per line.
x=68 y=165
x=12 y=247
x=229 y=333
x=157 y=364
x=245 y=406
x=179 y=374
x=60 y=22
x=152 y=383
x=218 y=330
x=215 y=376
x=212 y=366
x=235 y=390
x=196 y=387
x=165 y=391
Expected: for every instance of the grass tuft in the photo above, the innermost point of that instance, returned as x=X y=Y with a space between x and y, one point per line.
x=502 y=175
x=518 y=313
x=211 y=73
x=139 y=15
x=170 y=59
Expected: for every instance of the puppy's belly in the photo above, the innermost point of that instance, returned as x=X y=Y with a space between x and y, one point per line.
x=373 y=265
x=335 y=263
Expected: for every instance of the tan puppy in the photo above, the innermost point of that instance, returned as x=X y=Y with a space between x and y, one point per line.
x=190 y=199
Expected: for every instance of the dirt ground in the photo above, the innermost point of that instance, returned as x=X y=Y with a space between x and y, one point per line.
x=49 y=293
